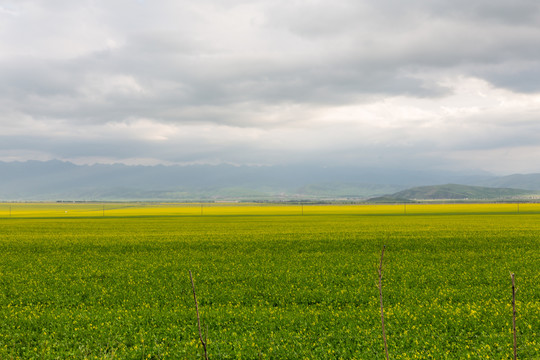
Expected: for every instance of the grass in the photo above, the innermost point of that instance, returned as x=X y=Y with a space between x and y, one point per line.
x=270 y=281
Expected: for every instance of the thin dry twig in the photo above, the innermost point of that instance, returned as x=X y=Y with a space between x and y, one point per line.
x=514 y=313
x=198 y=318
x=382 y=307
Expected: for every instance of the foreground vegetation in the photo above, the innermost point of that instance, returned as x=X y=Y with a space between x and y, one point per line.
x=93 y=281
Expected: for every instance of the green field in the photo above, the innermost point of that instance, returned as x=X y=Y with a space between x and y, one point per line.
x=93 y=281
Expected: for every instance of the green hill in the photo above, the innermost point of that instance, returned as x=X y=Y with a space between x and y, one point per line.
x=389 y=199
x=461 y=192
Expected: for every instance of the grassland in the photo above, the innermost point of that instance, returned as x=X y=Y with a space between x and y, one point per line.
x=111 y=281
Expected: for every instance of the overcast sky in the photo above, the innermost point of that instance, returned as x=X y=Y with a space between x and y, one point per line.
x=433 y=83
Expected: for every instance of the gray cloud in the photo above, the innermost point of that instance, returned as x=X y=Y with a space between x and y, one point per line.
x=269 y=81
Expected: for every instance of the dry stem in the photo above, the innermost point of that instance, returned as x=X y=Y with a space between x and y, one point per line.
x=514 y=314
x=382 y=307
x=198 y=318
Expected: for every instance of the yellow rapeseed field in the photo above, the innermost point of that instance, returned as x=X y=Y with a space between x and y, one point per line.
x=274 y=281
x=193 y=209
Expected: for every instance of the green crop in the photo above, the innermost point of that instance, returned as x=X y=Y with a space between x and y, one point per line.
x=269 y=286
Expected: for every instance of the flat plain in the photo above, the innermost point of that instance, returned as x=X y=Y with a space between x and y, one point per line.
x=102 y=281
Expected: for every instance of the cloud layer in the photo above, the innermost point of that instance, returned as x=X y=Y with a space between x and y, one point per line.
x=442 y=84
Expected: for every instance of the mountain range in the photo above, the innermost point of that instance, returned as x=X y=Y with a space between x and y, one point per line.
x=463 y=192
x=59 y=180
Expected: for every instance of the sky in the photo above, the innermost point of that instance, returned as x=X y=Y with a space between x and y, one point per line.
x=435 y=84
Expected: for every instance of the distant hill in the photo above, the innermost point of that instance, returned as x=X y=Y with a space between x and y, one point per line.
x=461 y=192
x=516 y=181
x=389 y=199
x=61 y=180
